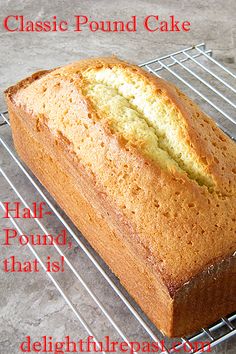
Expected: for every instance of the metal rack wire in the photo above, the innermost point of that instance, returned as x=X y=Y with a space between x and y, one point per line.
x=195 y=68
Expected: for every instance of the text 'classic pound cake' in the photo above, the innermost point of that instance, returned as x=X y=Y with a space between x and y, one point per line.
x=145 y=175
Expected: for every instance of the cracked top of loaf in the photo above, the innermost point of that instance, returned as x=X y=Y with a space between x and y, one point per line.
x=156 y=159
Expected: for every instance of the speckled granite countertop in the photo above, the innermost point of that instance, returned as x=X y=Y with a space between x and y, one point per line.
x=30 y=304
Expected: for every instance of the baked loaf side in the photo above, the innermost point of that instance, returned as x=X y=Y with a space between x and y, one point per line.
x=163 y=174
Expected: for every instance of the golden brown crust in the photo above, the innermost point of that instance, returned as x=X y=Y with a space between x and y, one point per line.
x=175 y=227
x=206 y=298
x=212 y=146
x=214 y=149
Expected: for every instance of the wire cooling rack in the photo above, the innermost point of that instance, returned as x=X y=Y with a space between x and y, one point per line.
x=212 y=85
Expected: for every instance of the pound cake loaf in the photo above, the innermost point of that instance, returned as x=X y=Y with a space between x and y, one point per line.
x=145 y=175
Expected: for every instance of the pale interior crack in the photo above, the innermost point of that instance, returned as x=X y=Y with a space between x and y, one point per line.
x=148 y=121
